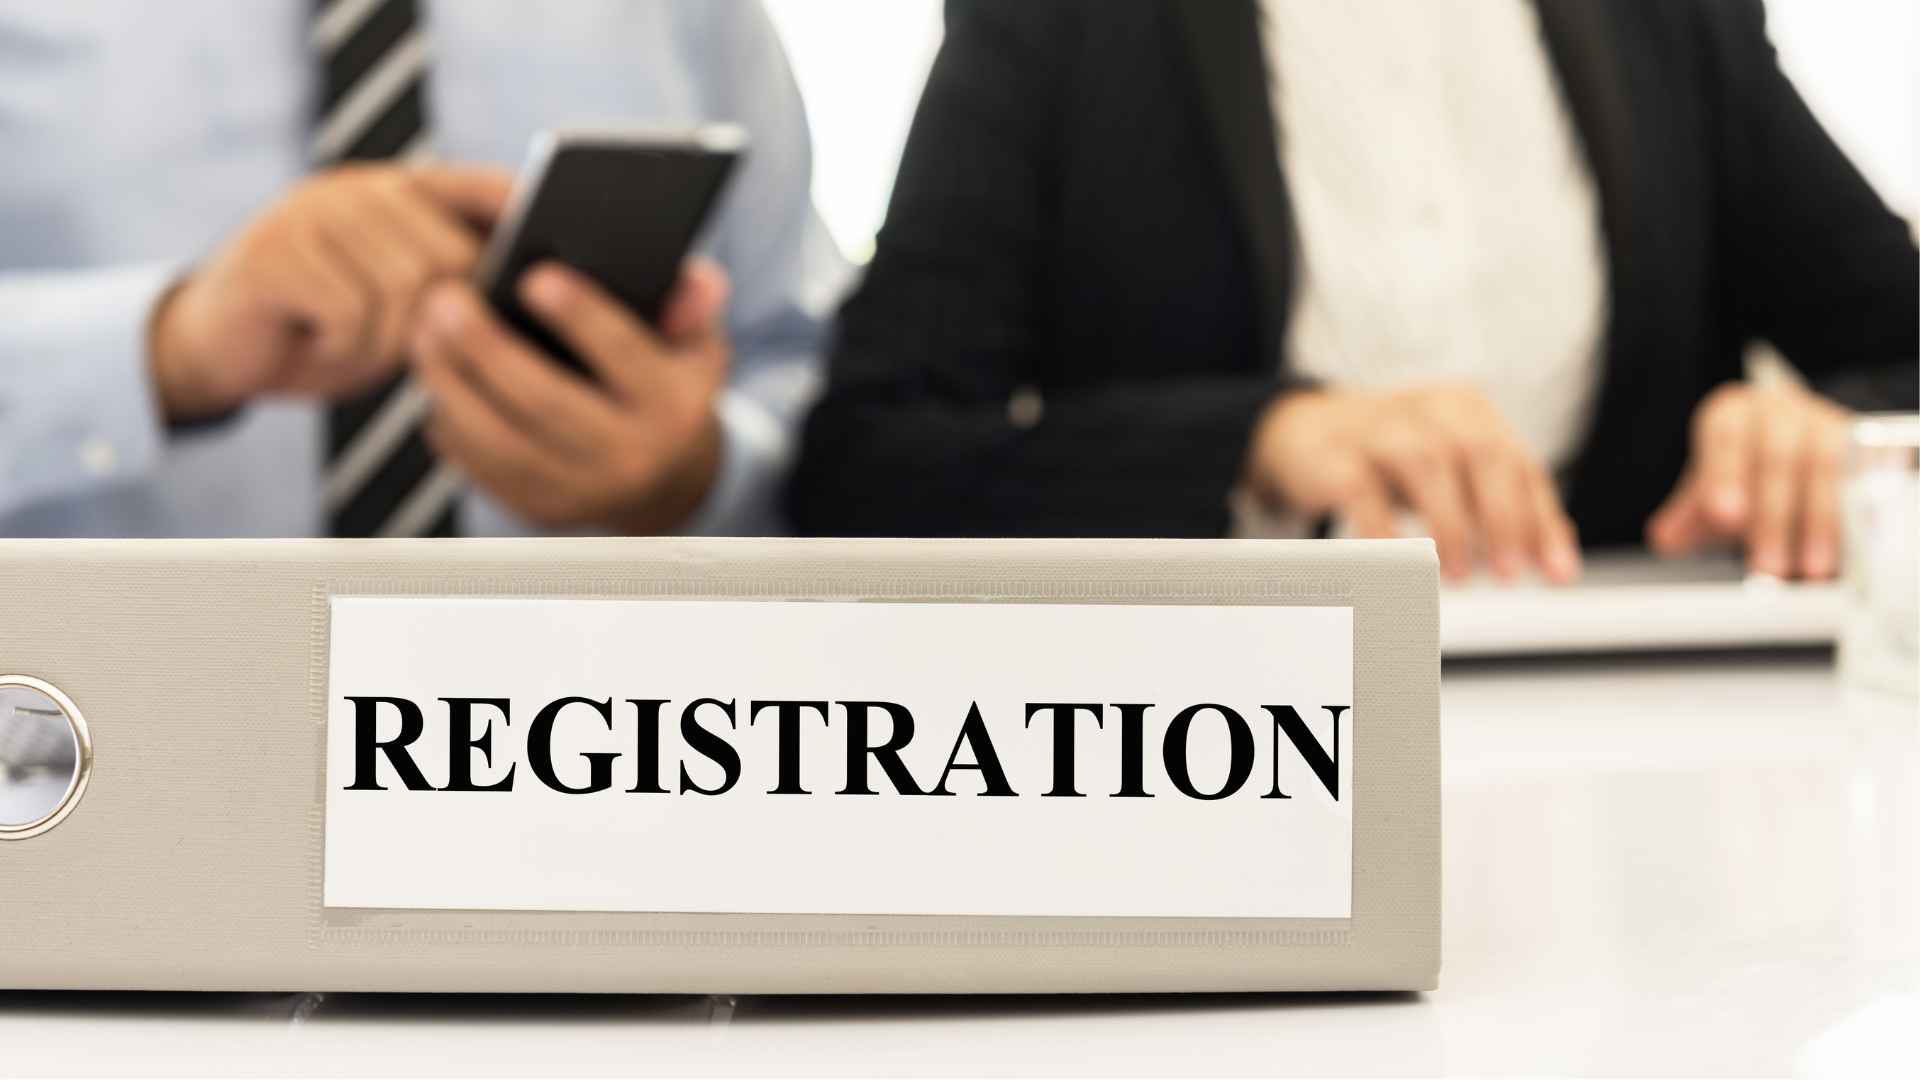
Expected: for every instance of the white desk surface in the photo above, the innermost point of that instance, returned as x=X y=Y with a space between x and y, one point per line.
x=1676 y=866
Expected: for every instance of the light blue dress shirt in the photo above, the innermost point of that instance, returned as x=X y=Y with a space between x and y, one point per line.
x=134 y=136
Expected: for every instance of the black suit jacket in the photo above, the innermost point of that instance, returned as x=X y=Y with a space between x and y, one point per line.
x=1090 y=209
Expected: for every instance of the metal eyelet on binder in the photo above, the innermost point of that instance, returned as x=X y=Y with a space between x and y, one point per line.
x=46 y=756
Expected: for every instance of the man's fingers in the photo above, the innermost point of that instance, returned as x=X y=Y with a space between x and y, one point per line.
x=478 y=194
x=467 y=430
x=609 y=339
x=698 y=302
x=448 y=244
x=336 y=310
x=526 y=387
x=1778 y=471
x=391 y=267
x=1722 y=461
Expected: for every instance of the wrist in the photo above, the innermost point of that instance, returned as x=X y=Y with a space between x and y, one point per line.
x=179 y=387
x=684 y=487
x=1266 y=450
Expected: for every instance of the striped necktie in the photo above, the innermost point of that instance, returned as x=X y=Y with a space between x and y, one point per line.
x=381 y=477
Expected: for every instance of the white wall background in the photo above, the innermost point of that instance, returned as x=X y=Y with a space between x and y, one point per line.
x=860 y=64
x=1857 y=62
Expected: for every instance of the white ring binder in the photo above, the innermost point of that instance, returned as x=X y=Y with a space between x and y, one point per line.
x=200 y=860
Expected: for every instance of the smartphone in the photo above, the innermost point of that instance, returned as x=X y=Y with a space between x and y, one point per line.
x=622 y=207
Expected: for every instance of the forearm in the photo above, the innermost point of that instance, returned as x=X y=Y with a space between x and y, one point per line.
x=1142 y=458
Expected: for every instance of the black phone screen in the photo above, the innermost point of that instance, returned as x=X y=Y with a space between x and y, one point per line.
x=622 y=212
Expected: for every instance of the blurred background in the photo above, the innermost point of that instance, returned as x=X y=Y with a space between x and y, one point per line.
x=860 y=64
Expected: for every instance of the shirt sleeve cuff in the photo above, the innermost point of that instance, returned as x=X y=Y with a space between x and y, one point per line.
x=90 y=418
x=755 y=455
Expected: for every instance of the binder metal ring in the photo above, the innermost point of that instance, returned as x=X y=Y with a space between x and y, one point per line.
x=82 y=767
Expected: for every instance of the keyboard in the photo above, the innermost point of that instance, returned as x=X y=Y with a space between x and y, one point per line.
x=1633 y=602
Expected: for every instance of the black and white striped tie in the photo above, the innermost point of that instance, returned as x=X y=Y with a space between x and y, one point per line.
x=381 y=477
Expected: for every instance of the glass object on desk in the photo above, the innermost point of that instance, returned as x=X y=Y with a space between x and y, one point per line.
x=1880 y=635
x=45 y=756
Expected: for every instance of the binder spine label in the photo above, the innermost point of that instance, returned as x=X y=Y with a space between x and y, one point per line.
x=899 y=758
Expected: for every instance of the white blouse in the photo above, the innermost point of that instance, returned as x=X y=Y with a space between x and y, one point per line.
x=1447 y=219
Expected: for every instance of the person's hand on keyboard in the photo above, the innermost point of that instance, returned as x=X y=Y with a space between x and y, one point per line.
x=1764 y=471
x=1445 y=453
